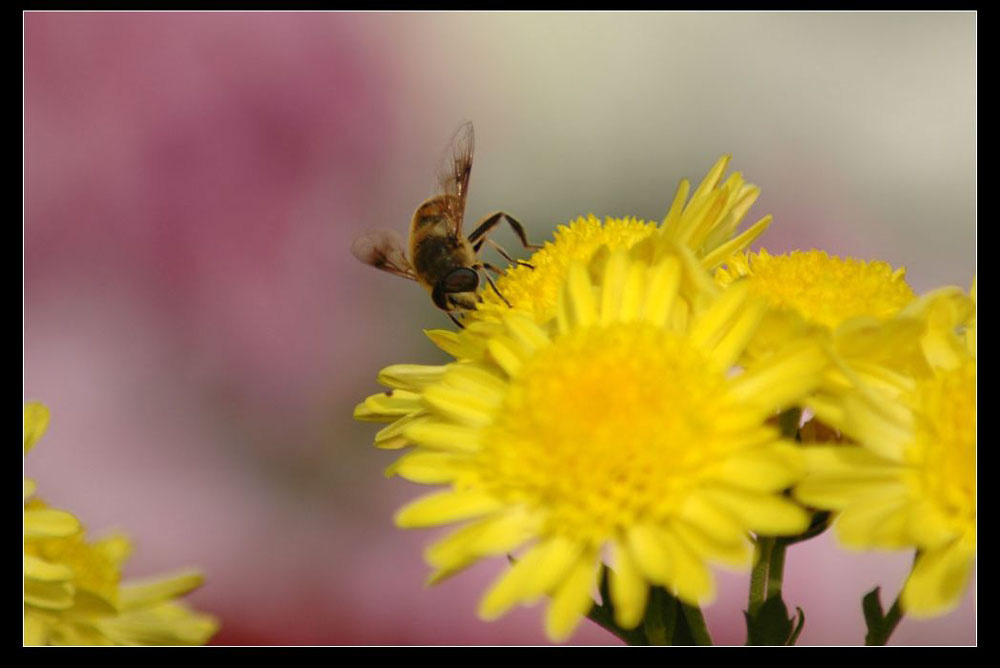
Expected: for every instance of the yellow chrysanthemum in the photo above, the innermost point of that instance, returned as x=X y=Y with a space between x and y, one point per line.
x=706 y=225
x=72 y=590
x=912 y=480
x=619 y=431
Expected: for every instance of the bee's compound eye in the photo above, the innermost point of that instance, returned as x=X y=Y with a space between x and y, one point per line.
x=461 y=280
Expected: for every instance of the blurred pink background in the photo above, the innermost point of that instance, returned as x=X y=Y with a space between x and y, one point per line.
x=196 y=323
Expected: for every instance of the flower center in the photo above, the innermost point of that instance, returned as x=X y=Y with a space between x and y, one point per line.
x=823 y=289
x=537 y=290
x=944 y=451
x=604 y=426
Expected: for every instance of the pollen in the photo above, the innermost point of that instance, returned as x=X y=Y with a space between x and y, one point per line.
x=604 y=427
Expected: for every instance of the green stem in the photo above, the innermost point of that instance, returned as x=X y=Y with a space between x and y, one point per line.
x=661 y=617
x=776 y=570
x=758 y=578
x=603 y=618
x=889 y=624
x=696 y=624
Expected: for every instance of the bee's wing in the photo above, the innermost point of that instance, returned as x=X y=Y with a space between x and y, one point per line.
x=454 y=176
x=384 y=250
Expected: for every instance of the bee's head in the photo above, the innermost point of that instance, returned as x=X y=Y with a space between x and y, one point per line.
x=448 y=293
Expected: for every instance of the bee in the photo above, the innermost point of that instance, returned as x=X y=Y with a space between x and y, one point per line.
x=440 y=258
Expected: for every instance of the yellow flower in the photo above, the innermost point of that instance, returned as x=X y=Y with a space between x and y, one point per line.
x=72 y=590
x=912 y=480
x=706 y=225
x=618 y=430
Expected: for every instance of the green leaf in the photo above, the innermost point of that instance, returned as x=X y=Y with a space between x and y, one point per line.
x=798 y=627
x=771 y=625
x=874 y=617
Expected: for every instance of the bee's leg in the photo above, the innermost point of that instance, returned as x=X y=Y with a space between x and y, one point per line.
x=455 y=320
x=519 y=231
x=487 y=224
x=502 y=252
x=487 y=265
x=496 y=270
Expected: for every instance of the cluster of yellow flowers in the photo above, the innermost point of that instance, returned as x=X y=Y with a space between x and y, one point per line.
x=73 y=593
x=620 y=414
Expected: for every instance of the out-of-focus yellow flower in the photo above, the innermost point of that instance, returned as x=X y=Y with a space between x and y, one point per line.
x=617 y=429
x=72 y=589
x=911 y=481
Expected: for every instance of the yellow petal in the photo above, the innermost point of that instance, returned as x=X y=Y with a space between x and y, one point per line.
x=691 y=581
x=737 y=244
x=116 y=548
x=664 y=280
x=676 y=208
x=36 y=421
x=723 y=526
x=579 y=296
x=428 y=468
x=763 y=513
x=388 y=406
x=392 y=438
x=883 y=434
x=508 y=355
x=497 y=534
x=938 y=580
x=572 y=598
x=784 y=378
x=629 y=590
x=541 y=569
x=49 y=523
x=768 y=469
x=714 y=323
x=46 y=571
x=139 y=593
x=836 y=492
x=36 y=630
x=413 y=377
x=524 y=330
x=445 y=507
x=733 y=551
x=161 y=624
x=878 y=522
x=486 y=384
x=443 y=436
x=646 y=545
x=613 y=287
x=743 y=198
x=846 y=459
x=733 y=343
x=48 y=595
x=455 y=344
x=459 y=405
x=711 y=180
